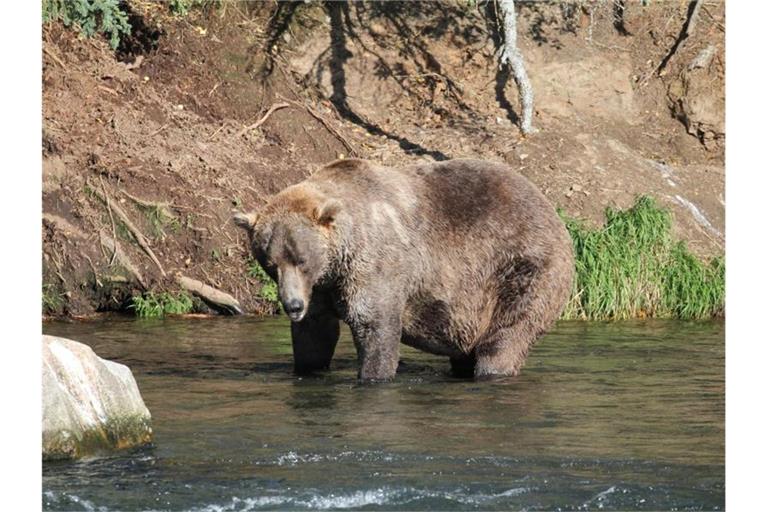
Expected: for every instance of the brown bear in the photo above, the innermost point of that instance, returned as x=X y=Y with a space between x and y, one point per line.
x=462 y=258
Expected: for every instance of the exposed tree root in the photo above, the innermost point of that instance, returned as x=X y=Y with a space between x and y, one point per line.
x=111 y=245
x=276 y=106
x=331 y=129
x=138 y=235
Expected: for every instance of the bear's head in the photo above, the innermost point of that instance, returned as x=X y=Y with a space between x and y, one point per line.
x=292 y=238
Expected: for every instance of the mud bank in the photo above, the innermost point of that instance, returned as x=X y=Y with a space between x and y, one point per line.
x=155 y=130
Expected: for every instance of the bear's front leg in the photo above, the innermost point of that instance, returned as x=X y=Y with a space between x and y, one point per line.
x=314 y=341
x=378 y=347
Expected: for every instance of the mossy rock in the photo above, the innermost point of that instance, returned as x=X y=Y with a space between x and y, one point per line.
x=90 y=405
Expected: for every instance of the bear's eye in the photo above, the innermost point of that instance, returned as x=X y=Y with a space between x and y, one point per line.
x=300 y=262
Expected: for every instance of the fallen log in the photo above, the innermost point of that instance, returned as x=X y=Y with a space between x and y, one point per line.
x=215 y=299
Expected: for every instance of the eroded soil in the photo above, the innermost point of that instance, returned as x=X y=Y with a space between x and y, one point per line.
x=156 y=129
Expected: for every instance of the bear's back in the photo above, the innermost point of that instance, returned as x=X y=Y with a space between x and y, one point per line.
x=461 y=194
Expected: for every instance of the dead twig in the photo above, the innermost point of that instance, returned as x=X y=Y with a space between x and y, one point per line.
x=214 y=88
x=109 y=90
x=711 y=17
x=157 y=131
x=273 y=108
x=54 y=57
x=217 y=131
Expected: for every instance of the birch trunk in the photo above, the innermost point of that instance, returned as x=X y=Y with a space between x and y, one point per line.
x=511 y=56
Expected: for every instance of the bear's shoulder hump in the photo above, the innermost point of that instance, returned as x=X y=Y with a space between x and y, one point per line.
x=347 y=165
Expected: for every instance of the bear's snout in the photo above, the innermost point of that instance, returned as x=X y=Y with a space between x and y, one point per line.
x=294 y=308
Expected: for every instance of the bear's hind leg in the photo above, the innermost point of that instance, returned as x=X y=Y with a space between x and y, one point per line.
x=502 y=353
x=314 y=341
x=530 y=299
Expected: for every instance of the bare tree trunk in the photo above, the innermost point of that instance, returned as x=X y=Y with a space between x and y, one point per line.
x=510 y=55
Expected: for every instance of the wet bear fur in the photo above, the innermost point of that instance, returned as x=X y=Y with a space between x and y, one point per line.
x=461 y=258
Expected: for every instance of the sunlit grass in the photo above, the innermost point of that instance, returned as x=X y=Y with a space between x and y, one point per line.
x=632 y=268
x=156 y=305
x=268 y=290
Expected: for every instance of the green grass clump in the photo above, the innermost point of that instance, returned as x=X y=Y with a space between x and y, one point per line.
x=52 y=299
x=632 y=268
x=90 y=17
x=160 y=218
x=156 y=305
x=268 y=290
x=182 y=7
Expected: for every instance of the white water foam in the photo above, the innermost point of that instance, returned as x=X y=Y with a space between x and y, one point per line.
x=600 y=497
x=358 y=499
x=67 y=499
x=293 y=458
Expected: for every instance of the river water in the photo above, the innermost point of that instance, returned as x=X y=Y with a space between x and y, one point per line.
x=609 y=416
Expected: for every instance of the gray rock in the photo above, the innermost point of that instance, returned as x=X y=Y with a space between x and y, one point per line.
x=90 y=404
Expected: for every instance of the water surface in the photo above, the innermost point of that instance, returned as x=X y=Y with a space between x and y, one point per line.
x=622 y=416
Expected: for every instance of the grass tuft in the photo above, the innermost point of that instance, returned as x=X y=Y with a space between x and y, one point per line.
x=157 y=305
x=160 y=218
x=268 y=291
x=52 y=299
x=183 y=7
x=632 y=268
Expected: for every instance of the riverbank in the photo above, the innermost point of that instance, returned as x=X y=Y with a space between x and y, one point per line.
x=153 y=132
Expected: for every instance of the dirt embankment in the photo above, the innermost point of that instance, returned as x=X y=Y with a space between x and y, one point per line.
x=155 y=130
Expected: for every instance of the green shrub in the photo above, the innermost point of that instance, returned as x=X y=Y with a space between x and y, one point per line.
x=631 y=267
x=268 y=290
x=156 y=305
x=90 y=17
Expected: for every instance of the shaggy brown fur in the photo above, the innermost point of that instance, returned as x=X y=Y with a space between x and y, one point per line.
x=463 y=258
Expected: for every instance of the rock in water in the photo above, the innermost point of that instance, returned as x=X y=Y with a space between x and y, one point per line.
x=89 y=404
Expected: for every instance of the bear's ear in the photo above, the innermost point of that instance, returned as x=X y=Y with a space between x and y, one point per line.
x=326 y=213
x=245 y=220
